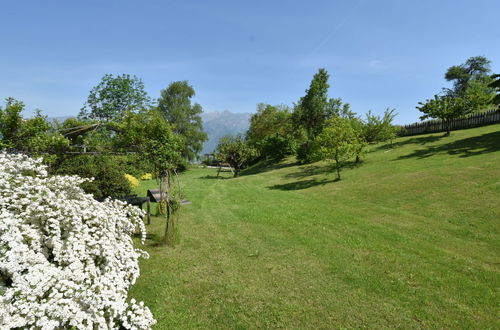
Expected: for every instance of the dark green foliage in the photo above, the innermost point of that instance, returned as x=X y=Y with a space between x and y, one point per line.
x=151 y=136
x=271 y=132
x=10 y=122
x=276 y=147
x=175 y=105
x=461 y=75
x=109 y=180
x=114 y=96
x=495 y=85
x=33 y=135
x=314 y=106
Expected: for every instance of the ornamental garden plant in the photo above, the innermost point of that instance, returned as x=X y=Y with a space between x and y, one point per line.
x=66 y=260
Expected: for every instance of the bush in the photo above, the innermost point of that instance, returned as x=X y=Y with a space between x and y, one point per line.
x=132 y=180
x=66 y=260
x=277 y=147
x=109 y=177
x=147 y=176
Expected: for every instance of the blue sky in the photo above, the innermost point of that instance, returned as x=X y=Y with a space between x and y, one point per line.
x=238 y=53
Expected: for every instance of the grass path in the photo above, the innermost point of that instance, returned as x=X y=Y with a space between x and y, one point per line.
x=409 y=239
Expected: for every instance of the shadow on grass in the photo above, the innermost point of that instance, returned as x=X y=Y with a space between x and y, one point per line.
x=468 y=147
x=310 y=170
x=423 y=140
x=264 y=166
x=304 y=184
x=211 y=177
x=151 y=239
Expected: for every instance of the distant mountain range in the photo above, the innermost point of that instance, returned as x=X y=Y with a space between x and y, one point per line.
x=218 y=124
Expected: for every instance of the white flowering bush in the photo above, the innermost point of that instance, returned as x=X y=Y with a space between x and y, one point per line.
x=66 y=260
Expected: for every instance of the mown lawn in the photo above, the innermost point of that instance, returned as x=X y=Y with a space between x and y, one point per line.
x=410 y=239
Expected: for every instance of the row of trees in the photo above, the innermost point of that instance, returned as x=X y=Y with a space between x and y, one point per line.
x=474 y=90
x=316 y=127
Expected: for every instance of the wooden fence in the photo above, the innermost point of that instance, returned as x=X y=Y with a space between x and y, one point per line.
x=435 y=126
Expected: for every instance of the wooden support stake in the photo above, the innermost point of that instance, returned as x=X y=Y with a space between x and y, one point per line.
x=149 y=213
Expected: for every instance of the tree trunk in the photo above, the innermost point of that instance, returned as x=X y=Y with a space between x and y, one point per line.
x=447 y=126
x=338 y=167
x=169 y=224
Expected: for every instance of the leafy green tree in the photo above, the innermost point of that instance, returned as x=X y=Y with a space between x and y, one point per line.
x=446 y=108
x=479 y=93
x=114 y=96
x=380 y=129
x=153 y=136
x=312 y=108
x=10 y=122
x=336 y=108
x=461 y=75
x=495 y=85
x=175 y=105
x=271 y=132
x=235 y=151
x=337 y=142
x=33 y=135
x=358 y=126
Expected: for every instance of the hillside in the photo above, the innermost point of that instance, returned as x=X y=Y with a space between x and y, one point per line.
x=410 y=239
x=218 y=124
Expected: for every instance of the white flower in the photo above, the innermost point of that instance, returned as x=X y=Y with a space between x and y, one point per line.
x=66 y=260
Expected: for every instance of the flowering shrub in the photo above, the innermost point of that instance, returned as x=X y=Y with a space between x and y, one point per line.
x=132 y=180
x=147 y=176
x=66 y=260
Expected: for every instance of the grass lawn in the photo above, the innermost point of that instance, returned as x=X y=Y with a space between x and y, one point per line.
x=410 y=239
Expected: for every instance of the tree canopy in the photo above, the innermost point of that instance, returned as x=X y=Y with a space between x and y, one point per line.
x=113 y=96
x=445 y=108
x=461 y=75
x=175 y=105
x=235 y=151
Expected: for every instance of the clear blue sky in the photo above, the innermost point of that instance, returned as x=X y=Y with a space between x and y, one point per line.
x=238 y=53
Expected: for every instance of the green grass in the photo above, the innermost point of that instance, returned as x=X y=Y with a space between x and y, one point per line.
x=410 y=239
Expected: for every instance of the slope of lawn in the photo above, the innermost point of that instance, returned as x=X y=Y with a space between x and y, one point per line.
x=410 y=239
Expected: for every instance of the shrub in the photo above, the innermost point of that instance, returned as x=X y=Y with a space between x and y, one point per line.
x=109 y=180
x=147 y=176
x=132 y=180
x=66 y=260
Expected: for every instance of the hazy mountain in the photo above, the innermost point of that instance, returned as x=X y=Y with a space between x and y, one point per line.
x=218 y=124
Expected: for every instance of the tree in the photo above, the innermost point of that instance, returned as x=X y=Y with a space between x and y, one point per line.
x=380 y=129
x=461 y=75
x=175 y=105
x=358 y=127
x=114 y=96
x=495 y=85
x=479 y=93
x=314 y=105
x=271 y=131
x=337 y=142
x=10 y=122
x=33 y=135
x=445 y=108
x=151 y=135
x=235 y=151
